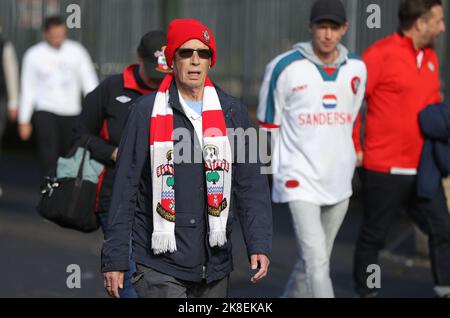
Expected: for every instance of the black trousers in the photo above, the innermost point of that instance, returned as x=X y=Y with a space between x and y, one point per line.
x=385 y=195
x=54 y=137
x=3 y=119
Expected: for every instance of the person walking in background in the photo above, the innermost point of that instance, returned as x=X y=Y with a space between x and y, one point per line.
x=178 y=208
x=104 y=114
x=312 y=96
x=9 y=87
x=55 y=73
x=403 y=79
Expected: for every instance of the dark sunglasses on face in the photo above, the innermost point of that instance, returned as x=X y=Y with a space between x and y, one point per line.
x=187 y=53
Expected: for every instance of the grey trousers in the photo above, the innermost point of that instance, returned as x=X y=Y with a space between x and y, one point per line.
x=315 y=228
x=150 y=283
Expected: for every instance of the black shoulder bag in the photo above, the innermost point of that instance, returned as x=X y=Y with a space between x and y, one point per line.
x=70 y=202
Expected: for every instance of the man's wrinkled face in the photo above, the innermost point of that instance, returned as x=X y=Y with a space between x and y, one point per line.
x=326 y=36
x=190 y=68
x=55 y=35
x=433 y=26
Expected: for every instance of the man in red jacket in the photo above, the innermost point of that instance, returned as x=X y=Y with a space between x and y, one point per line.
x=403 y=78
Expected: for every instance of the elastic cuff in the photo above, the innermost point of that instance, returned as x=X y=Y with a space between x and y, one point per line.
x=258 y=250
x=116 y=266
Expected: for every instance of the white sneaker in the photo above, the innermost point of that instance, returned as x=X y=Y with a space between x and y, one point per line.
x=442 y=291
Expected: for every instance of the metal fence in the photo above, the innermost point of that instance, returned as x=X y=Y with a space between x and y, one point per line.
x=249 y=33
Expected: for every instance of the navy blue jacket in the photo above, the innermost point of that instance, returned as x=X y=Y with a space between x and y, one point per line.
x=131 y=205
x=435 y=158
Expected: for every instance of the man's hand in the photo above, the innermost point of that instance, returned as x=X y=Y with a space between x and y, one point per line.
x=263 y=262
x=114 y=155
x=25 y=131
x=112 y=281
x=12 y=114
x=359 y=158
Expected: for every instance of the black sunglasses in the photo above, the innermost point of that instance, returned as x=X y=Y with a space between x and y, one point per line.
x=187 y=53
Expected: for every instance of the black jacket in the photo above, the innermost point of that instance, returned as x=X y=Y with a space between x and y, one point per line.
x=131 y=205
x=3 y=92
x=103 y=118
x=435 y=157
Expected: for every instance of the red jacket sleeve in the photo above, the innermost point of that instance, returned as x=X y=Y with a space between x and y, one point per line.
x=357 y=133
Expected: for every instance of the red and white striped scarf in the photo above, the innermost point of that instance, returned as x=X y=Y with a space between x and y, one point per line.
x=217 y=166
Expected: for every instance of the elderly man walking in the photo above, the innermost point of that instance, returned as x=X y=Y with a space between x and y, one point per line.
x=179 y=210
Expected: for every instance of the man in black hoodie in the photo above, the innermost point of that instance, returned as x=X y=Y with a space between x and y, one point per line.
x=104 y=114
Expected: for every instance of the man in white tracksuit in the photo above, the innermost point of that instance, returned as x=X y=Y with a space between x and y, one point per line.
x=310 y=98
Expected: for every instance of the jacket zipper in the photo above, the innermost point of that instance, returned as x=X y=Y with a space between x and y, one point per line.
x=204 y=272
x=204 y=267
x=204 y=275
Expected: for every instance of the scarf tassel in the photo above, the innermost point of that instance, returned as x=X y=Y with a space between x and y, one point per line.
x=217 y=238
x=163 y=242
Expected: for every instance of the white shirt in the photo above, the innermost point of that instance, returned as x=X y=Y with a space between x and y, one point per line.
x=313 y=158
x=53 y=79
x=194 y=118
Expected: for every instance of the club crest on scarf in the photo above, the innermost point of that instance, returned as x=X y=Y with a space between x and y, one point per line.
x=215 y=170
x=166 y=208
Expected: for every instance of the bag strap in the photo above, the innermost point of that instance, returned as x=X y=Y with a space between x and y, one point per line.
x=78 y=182
x=79 y=178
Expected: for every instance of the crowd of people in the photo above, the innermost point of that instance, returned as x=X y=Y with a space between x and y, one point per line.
x=167 y=222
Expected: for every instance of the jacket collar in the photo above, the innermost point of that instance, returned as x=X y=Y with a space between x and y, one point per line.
x=407 y=42
x=130 y=82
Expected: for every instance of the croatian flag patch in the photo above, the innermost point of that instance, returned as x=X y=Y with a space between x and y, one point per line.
x=329 y=101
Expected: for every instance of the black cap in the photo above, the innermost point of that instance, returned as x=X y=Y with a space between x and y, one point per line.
x=151 y=50
x=328 y=10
